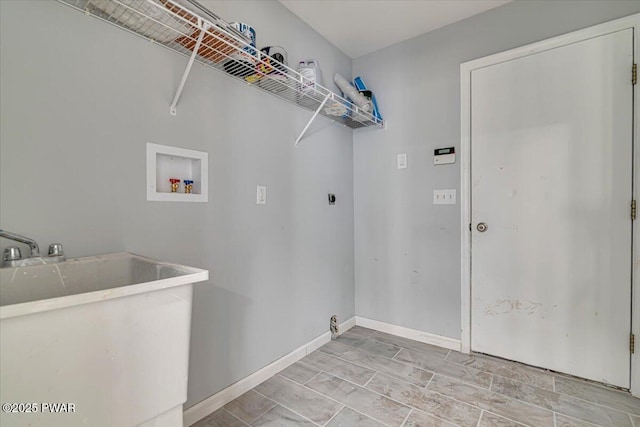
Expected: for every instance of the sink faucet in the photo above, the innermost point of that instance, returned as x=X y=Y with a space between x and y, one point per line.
x=33 y=246
x=12 y=257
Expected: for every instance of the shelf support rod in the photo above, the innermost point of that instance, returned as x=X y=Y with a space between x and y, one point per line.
x=326 y=98
x=187 y=70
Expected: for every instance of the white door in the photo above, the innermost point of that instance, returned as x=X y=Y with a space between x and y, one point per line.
x=551 y=177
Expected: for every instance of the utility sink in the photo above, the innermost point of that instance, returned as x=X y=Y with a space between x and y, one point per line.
x=107 y=337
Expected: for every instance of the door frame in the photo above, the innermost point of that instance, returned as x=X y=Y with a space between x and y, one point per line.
x=631 y=21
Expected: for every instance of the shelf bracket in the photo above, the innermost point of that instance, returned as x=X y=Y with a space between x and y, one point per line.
x=187 y=70
x=326 y=98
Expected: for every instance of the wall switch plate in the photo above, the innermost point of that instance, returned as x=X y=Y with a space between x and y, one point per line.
x=261 y=195
x=444 y=197
x=402 y=161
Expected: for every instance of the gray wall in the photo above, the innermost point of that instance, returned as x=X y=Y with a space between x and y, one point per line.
x=407 y=249
x=81 y=98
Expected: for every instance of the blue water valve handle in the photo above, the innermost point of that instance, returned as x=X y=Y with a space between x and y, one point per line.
x=188 y=186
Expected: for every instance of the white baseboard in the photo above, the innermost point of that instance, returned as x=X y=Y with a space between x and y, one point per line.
x=347 y=324
x=409 y=333
x=221 y=398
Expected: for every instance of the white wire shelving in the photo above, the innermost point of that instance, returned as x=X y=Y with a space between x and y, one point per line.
x=190 y=30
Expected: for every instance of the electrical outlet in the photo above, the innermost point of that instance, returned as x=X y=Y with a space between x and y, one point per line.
x=444 y=197
x=333 y=326
x=261 y=195
x=402 y=161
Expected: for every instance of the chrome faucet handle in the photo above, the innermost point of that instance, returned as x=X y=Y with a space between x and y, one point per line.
x=12 y=253
x=55 y=249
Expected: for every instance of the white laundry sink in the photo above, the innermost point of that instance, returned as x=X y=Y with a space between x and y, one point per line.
x=107 y=337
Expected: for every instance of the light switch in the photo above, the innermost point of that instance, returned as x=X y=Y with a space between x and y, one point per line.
x=261 y=195
x=402 y=161
x=444 y=197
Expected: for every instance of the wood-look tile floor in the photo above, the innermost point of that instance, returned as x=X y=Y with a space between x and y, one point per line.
x=369 y=378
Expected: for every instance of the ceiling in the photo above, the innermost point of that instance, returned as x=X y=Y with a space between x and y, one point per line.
x=359 y=27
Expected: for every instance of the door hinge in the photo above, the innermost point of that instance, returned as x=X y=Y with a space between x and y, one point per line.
x=634 y=74
x=633 y=210
x=632 y=343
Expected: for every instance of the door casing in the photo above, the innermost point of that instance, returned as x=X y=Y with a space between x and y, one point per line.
x=632 y=21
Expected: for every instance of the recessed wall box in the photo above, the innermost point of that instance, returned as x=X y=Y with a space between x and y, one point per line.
x=165 y=163
x=444 y=156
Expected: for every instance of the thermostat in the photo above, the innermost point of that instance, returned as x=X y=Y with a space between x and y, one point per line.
x=444 y=156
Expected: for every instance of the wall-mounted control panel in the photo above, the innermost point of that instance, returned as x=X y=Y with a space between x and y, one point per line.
x=444 y=156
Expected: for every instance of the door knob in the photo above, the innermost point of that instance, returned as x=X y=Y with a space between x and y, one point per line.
x=482 y=227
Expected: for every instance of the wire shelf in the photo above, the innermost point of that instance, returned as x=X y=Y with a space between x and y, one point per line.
x=183 y=26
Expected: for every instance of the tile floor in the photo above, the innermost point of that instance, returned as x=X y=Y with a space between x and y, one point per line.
x=369 y=378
